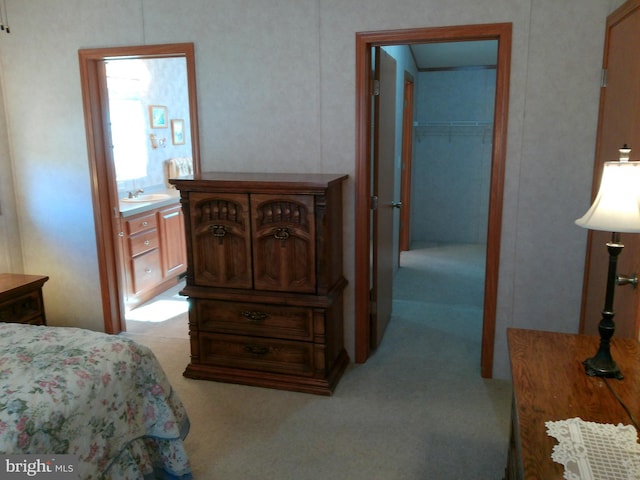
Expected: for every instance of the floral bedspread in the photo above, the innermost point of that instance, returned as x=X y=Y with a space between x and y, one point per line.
x=103 y=398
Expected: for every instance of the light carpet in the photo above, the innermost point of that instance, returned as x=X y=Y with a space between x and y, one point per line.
x=418 y=409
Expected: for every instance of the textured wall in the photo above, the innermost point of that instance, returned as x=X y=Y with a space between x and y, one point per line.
x=452 y=160
x=276 y=90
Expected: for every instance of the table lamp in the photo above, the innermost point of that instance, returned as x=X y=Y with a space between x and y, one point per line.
x=615 y=209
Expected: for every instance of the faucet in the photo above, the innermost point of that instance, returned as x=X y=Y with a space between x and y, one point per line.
x=136 y=193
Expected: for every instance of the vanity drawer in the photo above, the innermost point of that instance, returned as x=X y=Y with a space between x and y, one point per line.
x=143 y=242
x=257 y=353
x=278 y=321
x=146 y=271
x=141 y=223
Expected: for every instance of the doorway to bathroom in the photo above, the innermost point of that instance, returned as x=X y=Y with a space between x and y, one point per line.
x=106 y=185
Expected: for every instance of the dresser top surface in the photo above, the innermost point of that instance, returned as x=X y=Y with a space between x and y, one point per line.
x=10 y=283
x=248 y=180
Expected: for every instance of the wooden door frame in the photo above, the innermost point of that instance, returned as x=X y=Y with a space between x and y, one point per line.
x=103 y=188
x=364 y=42
x=407 y=159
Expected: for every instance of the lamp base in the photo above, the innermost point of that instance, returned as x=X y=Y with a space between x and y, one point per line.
x=602 y=365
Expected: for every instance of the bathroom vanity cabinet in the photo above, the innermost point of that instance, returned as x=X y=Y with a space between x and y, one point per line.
x=154 y=251
x=265 y=279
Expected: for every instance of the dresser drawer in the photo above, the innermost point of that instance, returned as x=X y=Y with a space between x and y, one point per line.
x=25 y=308
x=258 y=319
x=146 y=271
x=141 y=223
x=257 y=353
x=143 y=242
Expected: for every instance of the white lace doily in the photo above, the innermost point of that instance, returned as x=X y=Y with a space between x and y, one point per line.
x=595 y=451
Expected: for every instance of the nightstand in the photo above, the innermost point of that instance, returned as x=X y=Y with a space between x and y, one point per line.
x=550 y=384
x=21 y=298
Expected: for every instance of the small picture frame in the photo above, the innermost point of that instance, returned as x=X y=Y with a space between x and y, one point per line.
x=177 y=131
x=158 y=116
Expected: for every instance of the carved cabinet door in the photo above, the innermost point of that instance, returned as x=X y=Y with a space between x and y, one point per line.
x=284 y=251
x=221 y=236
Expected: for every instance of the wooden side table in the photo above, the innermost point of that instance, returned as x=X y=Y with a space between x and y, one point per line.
x=21 y=298
x=550 y=384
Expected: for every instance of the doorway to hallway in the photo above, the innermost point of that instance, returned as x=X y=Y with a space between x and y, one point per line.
x=365 y=43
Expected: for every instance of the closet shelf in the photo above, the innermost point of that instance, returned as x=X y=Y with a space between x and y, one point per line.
x=451 y=129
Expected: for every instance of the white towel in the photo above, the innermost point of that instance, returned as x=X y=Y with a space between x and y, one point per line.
x=179 y=167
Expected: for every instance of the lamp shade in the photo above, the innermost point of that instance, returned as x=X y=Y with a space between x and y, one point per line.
x=617 y=205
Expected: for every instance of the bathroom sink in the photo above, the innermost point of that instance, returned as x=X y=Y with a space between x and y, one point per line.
x=151 y=197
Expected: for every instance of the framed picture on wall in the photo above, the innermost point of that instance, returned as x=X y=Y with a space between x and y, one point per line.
x=177 y=131
x=158 y=116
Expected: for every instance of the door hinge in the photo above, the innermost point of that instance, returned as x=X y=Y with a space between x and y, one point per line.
x=375 y=88
x=603 y=78
x=373 y=203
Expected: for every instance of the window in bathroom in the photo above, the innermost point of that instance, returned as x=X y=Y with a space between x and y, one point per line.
x=127 y=80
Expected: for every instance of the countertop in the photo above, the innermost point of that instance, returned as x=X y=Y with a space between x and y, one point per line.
x=128 y=209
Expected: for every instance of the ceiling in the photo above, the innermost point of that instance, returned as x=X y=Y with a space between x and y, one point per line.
x=455 y=54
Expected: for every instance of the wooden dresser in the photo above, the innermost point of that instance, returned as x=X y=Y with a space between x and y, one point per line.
x=549 y=384
x=21 y=298
x=265 y=279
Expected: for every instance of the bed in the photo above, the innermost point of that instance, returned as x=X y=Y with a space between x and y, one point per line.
x=103 y=398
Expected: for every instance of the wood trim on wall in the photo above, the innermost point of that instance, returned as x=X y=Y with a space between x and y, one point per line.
x=364 y=42
x=407 y=160
x=494 y=233
x=94 y=126
x=362 y=201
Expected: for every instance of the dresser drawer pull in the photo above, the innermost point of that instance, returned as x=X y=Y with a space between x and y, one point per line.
x=257 y=349
x=254 y=316
x=281 y=234
x=147 y=242
x=217 y=230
